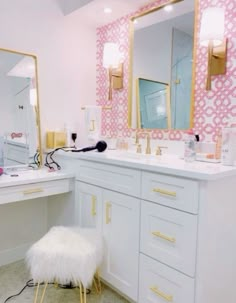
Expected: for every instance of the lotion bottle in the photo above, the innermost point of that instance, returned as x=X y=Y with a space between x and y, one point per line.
x=189 y=146
x=227 y=157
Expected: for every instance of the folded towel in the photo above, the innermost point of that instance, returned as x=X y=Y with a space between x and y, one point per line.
x=93 y=115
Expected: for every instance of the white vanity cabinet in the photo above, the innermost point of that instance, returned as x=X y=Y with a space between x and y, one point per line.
x=88 y=200
x=121 y=235
x=101 y=205
x=103 y=209
x=169 y=230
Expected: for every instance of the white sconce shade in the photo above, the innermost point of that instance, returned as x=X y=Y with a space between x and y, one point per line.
x=111 y=55
x=212 y=26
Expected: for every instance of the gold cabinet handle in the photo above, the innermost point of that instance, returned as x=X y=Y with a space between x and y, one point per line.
x=164 y=192
x=162 y=236
x=93 y=210
x=161 y=294
x=32 y=191
x=108 y=207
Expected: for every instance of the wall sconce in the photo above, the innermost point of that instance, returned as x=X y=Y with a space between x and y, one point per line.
x=212 y=35
x=111 y=60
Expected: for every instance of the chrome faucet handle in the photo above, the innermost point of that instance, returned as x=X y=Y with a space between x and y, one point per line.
x=159 y=150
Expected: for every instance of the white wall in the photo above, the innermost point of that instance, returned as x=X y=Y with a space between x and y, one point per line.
x=65 y=47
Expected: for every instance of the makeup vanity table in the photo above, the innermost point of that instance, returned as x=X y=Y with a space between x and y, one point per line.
x=32 y=184
x=169 y=226
x=30 y=203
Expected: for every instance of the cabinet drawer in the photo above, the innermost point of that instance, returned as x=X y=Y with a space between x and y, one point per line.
x=35 y=190
x=159 y=283
x=120 y=179
x=170 y=236
x=170 y=191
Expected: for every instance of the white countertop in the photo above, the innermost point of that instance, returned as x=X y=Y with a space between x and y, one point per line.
x=21 y=177
x=165 y=164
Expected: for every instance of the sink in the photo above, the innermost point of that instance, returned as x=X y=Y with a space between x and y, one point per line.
x=131 y=155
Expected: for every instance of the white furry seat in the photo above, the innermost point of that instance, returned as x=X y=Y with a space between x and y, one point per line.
x=66 y=254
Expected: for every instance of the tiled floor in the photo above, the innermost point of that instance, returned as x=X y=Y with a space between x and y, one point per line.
x=13 y=278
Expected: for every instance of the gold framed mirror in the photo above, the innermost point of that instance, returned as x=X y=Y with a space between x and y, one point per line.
x=163 y=50
x=20 y=133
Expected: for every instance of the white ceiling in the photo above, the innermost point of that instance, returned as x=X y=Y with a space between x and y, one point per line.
x=68 y=6
x=92 y=10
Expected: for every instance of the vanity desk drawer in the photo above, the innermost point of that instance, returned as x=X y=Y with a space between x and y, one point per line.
x=169 y=236
x=112 y=177
x=159 y=283
x=34 y=190
x=174 y=192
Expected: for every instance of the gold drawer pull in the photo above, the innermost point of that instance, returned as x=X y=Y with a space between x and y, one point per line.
x=164 y=192
x=108 y=207
x=32 y=191
x=93 y=210
x=160 y=235
x=161 y=294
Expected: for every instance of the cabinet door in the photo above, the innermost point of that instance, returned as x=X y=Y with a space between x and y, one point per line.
x=89 y=207
x=121 y=233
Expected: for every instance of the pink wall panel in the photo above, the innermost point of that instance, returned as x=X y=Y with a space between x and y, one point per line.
x=212 y=109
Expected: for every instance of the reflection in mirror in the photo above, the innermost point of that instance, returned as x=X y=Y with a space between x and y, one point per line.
x=20 y=143
x=153 y=104
x=162 y=50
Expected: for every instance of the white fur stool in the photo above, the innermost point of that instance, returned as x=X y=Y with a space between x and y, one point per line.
x=65 y=255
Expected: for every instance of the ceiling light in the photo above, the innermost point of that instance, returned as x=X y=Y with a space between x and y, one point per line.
x=107 y=10
x=135 y=21
x=168 y=8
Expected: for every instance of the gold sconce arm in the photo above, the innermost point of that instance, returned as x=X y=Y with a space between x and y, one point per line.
x=115 y=79
x=216 y=61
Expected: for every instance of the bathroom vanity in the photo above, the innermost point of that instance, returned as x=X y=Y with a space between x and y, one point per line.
x=30 y=203
x=169 y=226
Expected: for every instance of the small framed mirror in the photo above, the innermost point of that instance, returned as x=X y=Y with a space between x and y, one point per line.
x=162 y=51
x=153 y=104
x=20 y=138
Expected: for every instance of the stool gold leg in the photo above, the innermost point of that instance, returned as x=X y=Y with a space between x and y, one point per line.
x=36 y=294
x=44 y=290
x=80 y=292
x=99 y=282
x=85 y=295
x=95 y=285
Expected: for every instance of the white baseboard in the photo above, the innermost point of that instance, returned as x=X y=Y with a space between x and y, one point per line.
x=14 y=254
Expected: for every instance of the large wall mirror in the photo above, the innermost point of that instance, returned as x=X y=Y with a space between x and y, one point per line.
x=162 y=56
x=20 y=143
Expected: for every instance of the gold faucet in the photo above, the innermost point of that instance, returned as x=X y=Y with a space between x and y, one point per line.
x=136 y=137
x=148 y=144
x=159 y=150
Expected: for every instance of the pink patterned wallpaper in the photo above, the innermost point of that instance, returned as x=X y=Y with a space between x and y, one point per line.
x=212 y=109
